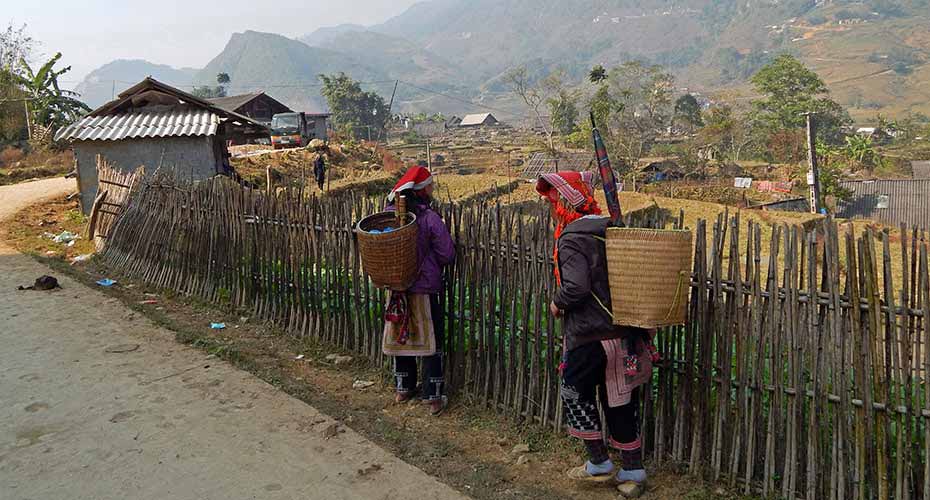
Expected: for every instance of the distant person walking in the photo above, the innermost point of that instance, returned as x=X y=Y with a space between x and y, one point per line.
x=319 y=170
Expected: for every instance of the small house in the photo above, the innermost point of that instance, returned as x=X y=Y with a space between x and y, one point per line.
x=479 y=120
x=258 y=106
x=877 y=135
x=453 y=122
x=890 y=202
x=159 y=127
x=656 y=170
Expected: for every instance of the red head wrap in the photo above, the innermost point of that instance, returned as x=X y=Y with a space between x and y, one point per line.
x=571 y=195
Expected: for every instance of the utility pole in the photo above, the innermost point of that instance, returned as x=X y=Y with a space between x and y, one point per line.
x=429 y=158
x=813 y=175
x=387 y=122
x=28 y=120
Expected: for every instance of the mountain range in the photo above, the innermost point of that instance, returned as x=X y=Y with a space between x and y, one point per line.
x=450 y=53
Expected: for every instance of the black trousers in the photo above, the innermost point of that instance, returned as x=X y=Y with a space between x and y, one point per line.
x=583 y=378
x=405 y=367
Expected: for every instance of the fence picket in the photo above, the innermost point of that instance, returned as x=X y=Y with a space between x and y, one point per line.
x=787 y=379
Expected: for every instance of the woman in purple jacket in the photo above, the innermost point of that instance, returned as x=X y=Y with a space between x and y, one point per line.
x=435 y=250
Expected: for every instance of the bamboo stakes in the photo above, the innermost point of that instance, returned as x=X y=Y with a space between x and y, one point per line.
x=801 y=381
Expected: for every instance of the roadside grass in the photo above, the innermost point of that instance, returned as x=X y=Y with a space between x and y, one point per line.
x=36 y=165
x=27 y=230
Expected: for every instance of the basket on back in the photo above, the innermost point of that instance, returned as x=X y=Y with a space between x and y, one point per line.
x=389 y=258
x=650 y=276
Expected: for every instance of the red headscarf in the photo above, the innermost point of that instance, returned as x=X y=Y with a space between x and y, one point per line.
x=415 y=178
x=571 y=195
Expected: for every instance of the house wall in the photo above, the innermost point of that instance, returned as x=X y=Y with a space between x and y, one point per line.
x=189 y=156
x=262 y=109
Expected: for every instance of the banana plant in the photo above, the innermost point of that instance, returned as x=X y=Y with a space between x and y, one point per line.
x=860 y=150
x=48 y=104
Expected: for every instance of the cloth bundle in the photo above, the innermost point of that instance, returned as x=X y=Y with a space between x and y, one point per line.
x=408 y=326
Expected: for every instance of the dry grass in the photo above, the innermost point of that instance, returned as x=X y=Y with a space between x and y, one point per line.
x=26 y=230
x=10 y=155
x=17 y=167
x=457 y=187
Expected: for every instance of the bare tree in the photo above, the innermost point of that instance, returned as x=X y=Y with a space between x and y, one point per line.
x=535 y=97
x=15 y=45
x=639 y=100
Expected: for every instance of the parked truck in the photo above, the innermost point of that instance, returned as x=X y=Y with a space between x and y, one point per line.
x=294 y=130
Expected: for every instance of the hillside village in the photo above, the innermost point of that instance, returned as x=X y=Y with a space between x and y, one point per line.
x=238 y=269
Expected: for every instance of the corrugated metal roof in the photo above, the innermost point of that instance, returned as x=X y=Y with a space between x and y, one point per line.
x=888 y=201
x=234 y=102
x=176 y=123
x=544 y=163
x=478 y=119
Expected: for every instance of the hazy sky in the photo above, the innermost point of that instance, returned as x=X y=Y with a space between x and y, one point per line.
x=90 y=33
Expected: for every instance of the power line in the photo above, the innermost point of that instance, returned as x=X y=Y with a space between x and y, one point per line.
x=237 y=85
x=307 y=85
x=465 y=101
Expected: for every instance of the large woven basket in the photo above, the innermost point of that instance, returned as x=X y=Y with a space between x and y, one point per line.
x=650 y=276
x=389 y=258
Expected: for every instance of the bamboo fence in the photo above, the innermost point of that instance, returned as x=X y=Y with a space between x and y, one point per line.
x=114 y=187
x=798 y=375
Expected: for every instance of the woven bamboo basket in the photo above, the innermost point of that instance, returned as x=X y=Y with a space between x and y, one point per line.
x=650 y=276
x=389 y=258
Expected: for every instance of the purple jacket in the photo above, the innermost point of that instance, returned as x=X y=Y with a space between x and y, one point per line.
x=435 y=250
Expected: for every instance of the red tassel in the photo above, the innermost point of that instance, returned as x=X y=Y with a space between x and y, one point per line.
x=654 y=353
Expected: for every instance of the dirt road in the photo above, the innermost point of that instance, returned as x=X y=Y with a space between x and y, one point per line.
x=99 y=403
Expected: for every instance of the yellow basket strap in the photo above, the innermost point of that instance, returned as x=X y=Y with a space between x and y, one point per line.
x=602 y=305
x=677 y=300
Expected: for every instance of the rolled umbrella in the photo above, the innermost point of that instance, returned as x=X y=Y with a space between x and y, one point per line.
x=607 y=176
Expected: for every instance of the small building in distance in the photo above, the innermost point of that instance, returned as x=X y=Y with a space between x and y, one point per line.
x=453 y=122
x=891 y=202
x=479 y=120
x=920 y=169
x=258 y=106
x=878 y=135
x=659 y=169
x=156 y=126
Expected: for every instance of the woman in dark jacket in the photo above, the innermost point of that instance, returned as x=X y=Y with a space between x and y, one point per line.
x=599 y=358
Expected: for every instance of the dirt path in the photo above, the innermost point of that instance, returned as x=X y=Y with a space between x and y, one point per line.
x=99 y=403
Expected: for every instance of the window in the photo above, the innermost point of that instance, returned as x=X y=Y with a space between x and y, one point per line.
x=882 y=201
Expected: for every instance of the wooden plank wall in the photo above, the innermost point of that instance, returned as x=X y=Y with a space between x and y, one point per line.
x=800 y=373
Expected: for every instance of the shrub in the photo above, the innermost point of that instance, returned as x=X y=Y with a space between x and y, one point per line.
x=411 y=137
x=816 y=19
x=845 y=14
x=10 y=155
